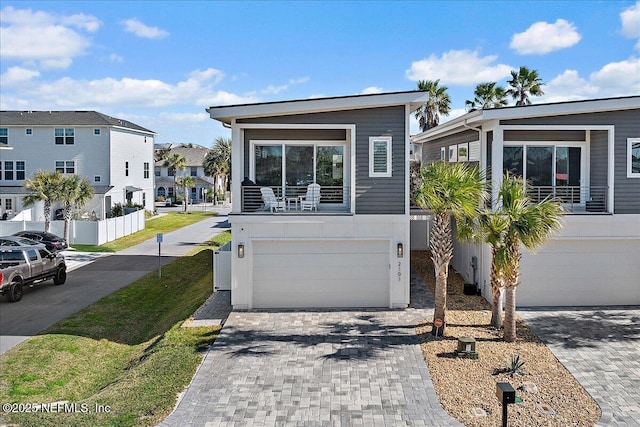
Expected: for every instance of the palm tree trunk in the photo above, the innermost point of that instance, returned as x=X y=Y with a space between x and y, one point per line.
x=510 y=314
x=441 y=254
x=186 y=200
x=47 y=215
x=496 y=286
x=67 y=222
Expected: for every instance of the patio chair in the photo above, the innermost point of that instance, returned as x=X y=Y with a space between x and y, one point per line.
x=311 y=200
x=270 y=200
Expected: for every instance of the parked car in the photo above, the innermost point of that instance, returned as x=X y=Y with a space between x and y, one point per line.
x=51 y=241
x=17 y=241
x=27 y=266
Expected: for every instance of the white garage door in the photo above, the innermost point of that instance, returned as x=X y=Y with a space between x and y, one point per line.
x=295 y=274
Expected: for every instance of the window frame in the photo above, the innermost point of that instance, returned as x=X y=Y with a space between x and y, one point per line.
x=4 y=136
x=630 y=172
x=28 y=131
x=145 y=168
x=388 y=141
x=65 y=168
x=66 y=139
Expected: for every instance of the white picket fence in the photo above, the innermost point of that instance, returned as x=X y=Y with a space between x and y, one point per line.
x=83 y=231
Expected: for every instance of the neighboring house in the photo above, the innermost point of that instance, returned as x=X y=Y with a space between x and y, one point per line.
x=194 y=156
x=587 y=154
x=115 y=155
x=349 y=250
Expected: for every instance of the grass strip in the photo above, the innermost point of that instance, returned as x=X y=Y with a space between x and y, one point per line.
x=119 y=362
x=163 y=224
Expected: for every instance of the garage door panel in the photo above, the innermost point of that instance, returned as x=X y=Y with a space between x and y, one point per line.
x=347 y=273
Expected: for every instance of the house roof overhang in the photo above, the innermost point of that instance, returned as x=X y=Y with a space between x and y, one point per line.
x=226 y=114
x=476 y=119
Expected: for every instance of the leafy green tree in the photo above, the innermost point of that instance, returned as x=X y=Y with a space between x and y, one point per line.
x=74 y=192
x=523 y=84
x=438 y=103
x=448 y=190
x=186 y=182
x=217 y=163
x=487 y=95
x=43 y=187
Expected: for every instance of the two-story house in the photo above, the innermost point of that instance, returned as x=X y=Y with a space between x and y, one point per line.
x=115 y=155
x=585 y=154
x=194 y=157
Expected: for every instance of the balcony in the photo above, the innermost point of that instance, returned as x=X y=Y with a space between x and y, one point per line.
x=333 y=200
x=575 y=199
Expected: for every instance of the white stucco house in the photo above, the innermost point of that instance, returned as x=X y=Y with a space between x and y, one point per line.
x=587 y=154
x=115 y=155
x=351 y=248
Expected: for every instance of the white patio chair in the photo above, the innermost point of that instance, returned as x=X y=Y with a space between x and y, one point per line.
x=311 y=200
x=270 y=200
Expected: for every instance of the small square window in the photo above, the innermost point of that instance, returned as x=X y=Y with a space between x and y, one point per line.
x=96 y=131
x=97 y=178
x=28 y=131
x=380 y=156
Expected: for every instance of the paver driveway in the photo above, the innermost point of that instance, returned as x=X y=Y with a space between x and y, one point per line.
x=315 y=368
x=600 y=346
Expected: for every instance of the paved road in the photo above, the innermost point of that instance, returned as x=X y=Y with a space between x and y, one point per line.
x=44 y=305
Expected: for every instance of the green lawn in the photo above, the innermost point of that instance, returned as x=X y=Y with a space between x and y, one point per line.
x=164 y=224
x=126 y=352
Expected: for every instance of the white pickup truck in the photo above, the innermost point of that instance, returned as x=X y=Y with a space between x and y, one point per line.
x=27 y=266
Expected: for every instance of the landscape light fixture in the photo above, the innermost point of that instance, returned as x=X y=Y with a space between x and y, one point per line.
x=240 y=251
x=400 y=250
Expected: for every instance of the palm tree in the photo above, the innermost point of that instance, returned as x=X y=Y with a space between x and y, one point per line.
x=43 y=187
x=176 y=162
x=75 y=192
x=186 y=182
x=524 y=83
x=447 y=190
x=525 y=224
x=487 y=95
x=438 y=103
x=217 y=163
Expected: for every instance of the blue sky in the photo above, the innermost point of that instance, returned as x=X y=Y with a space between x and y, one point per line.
x=160 y=64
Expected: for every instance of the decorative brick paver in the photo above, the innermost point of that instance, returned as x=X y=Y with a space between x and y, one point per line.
x=600 y=346
x=316 y=368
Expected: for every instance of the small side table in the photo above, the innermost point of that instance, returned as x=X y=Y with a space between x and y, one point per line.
x=291 y=200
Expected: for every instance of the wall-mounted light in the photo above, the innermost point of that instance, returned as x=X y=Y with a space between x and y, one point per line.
x=240 y=251
x=400 y=250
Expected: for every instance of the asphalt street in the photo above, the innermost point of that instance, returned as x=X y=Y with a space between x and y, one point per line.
x=44 y=305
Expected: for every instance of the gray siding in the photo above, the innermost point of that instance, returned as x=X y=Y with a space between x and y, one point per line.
x=372 y=195
x=627 y=125
x=599 y=165
x=544 y=135
x=431 y=151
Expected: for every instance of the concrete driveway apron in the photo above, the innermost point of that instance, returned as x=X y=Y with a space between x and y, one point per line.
x=316 y=368
x=600 y=346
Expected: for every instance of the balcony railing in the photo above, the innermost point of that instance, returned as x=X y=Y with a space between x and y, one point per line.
x=334 y=199
x=575 y=199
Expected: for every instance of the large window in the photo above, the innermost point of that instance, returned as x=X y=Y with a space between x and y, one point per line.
x=268 y=165
x=4 y=136
x=10 y=170
x=65 y=136
x=380 y=156
x=66 y=166
x=633 y=157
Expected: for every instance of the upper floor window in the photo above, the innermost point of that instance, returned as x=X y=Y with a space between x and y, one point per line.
x=96 y=131
x=194 y=171
x=10 y=170
x=66 y=166
x=97 y=178
x=171 y=171
x=4 y=136
x=380 y=156
x=28 y=131
x=126 y=168
x=146 y=170
x=633 y=157
x=65 y=136
x=156 y=171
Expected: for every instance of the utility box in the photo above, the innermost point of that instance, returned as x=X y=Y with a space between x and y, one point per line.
x=505 y=393
x=222 y=268
x=467 y=348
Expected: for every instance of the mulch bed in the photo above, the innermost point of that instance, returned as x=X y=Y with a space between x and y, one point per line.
x=465 y=384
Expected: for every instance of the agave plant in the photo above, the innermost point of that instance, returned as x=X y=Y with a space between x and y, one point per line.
x=514 y=366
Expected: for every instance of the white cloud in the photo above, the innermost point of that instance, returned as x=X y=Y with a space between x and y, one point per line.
x=371 y=90
x=16 y=75
x=630 y=18
x=458 y=67
x=136 y=27
x=274 y=90
x=542 y=37
x=182 y=118
x=47 y=38
x=614 y=79
x=115 y=58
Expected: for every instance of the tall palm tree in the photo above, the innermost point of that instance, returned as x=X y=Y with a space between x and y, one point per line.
x=487 y=95
x=75 y=192
x=43 y=187
x=217 y=163
x=186 y=182
x=524 y=223
x=176 y=162
x=438 y=103
x=448 y=190
x=523 y=83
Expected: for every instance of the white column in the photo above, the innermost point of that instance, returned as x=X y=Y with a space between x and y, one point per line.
x=496 y=163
